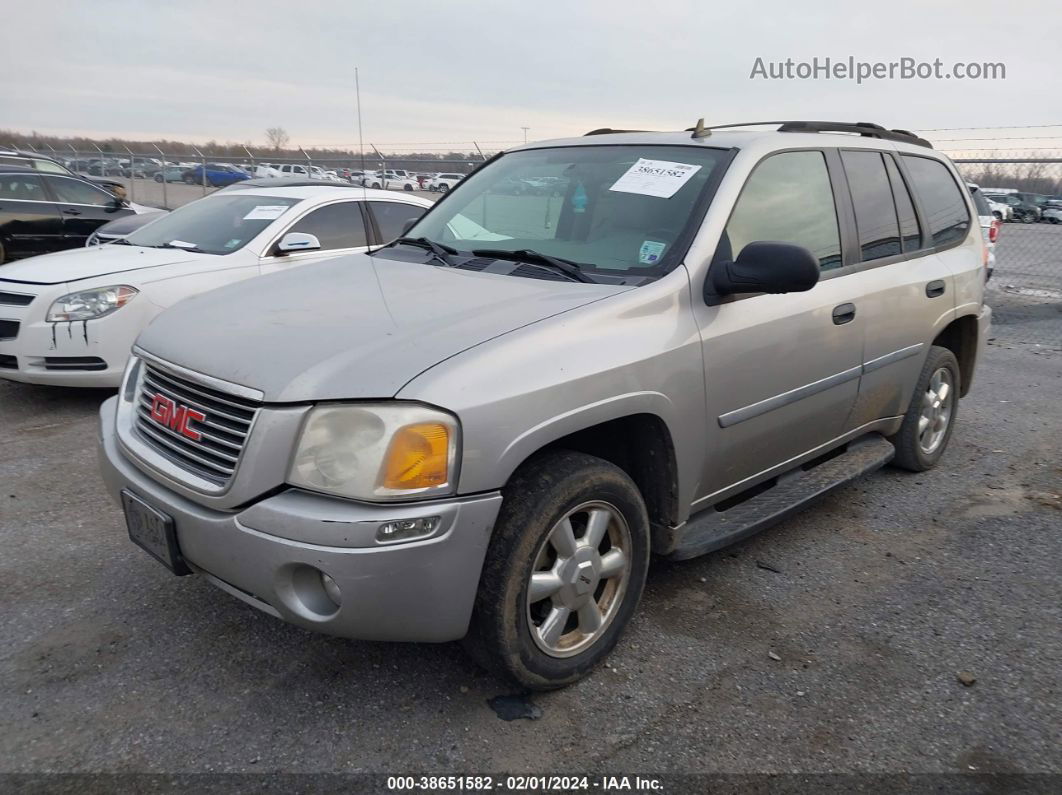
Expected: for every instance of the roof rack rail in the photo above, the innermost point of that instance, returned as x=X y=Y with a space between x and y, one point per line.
x=610 y=131
x=863 y=128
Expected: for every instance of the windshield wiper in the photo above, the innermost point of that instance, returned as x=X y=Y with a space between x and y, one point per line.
x=438 y=250
x=565 y=266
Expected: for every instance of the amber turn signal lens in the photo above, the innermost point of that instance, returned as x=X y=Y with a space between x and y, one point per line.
x=418 y=457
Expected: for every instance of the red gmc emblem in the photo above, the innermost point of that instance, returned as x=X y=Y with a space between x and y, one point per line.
x=168 y=414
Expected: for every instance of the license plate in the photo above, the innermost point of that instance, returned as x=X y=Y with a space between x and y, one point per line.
x=152 y=530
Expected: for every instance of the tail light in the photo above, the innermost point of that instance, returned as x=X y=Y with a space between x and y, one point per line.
x=993 y=230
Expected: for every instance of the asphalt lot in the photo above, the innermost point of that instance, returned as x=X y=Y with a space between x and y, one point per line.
x=874 y=601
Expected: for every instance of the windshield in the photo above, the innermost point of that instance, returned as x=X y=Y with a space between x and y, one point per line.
x=215 y=225
x=615 y=210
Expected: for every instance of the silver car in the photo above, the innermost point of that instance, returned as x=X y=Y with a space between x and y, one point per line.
x=486 y=429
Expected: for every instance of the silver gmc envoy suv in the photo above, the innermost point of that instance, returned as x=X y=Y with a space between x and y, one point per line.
x=591 y=350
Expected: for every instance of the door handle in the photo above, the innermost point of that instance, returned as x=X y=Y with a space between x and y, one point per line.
x=935 y=289
x=71 y=211
x=845 y=313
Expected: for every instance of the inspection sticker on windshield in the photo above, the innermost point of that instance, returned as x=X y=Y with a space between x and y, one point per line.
x=660 y=178
x=266 y=212
x=650 y=252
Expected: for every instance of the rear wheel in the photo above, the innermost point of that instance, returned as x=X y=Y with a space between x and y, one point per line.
x=408 y=187
x=158 y=178
x=444 y=187
x=189 y=180
x=564 y=571
x=929 y=420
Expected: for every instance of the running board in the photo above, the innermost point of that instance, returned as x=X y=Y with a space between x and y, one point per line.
x=712 y=529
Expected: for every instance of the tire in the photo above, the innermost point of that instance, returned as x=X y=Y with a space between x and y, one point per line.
x=408 y=187
x=376 y=185
x=998 y=215
x=444 y=187
x=189 y=180
x=158 y=178
x=917 y=449
x=508 y=633
x=3 y=254
x=1028 y=218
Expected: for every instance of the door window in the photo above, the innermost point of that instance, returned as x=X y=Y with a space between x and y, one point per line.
x=943 y=204
x=73 y=191
x=22 y=187
x=338 y=225
x=875 y=211
x=49 y=167
x=788 y=198
x=391 y=217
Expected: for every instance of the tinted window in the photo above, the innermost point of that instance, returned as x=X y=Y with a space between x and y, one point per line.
x=879 y=231
x=73 y=191
x=942 y=201
x=979 y=202
x=392 y=216
x=22 y=187
x=787 y=198
x=337 y=225
x=909 y=229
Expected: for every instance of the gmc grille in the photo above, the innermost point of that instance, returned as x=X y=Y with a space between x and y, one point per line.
x=222 y=433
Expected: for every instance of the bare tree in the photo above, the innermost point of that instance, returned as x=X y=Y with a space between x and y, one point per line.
x=277 y=137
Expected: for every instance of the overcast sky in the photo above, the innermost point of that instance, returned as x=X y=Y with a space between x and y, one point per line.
x=463 y=70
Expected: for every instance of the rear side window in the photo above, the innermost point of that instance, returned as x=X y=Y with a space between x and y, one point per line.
x=788 y=198
x=22 y=187
x=392 y=216
x=337 y=226
x=941 y=198
x=909 y=229
x=879 y=230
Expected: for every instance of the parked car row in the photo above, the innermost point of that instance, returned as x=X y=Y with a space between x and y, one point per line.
x=1010 y=204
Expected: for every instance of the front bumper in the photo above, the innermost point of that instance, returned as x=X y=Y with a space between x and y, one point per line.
x=415 y=591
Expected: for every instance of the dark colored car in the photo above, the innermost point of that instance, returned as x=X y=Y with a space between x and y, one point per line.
x=217 y=175
x=42 y=212
x=49 y=165
x=1025 y=212
x=120 y=227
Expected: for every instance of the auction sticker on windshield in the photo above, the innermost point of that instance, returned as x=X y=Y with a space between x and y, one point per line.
x=660 y=178
x=266 y=212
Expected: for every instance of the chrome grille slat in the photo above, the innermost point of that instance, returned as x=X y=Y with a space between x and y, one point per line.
x=152 y=431
x=209 y=395
x=222 y=432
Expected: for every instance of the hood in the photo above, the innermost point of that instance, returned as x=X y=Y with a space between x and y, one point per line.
x=88 y=263
x=129 y=223
x=350 y=327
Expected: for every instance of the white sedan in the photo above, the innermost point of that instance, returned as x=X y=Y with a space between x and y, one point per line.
x=390 y=182
x=70 y=318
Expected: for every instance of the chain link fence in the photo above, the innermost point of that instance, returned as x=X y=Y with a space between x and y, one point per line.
x=1025 y=290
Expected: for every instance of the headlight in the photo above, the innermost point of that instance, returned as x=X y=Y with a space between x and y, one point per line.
x=90 y=304
x=380 y=451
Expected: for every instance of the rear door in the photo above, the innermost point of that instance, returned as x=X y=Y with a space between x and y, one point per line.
x=341 y=227
x=83 y=208
x=782 y=371
x=908 y=282
x=30 y=222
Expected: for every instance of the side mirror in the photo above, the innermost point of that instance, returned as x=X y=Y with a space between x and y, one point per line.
x=766 y=267
x=408 y=225
x=297 y=241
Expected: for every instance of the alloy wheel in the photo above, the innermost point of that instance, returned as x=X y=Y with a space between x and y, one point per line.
x=937 y=403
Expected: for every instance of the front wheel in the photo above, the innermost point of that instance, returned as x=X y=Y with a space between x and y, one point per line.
x=444 y=187
x=408 y=187
x=564 y=571
x=189 y=180
x=929 y=420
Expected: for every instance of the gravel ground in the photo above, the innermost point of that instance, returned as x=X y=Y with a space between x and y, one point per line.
x=832 y=642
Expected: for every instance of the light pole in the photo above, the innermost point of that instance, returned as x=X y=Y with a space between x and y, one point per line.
x=525 y=129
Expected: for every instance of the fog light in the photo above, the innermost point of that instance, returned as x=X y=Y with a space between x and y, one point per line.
x=331 y=589
x=406 y=529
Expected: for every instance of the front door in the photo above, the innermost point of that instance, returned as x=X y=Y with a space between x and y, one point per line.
x=83 y=208
x=782 y=371
x=339 y=227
